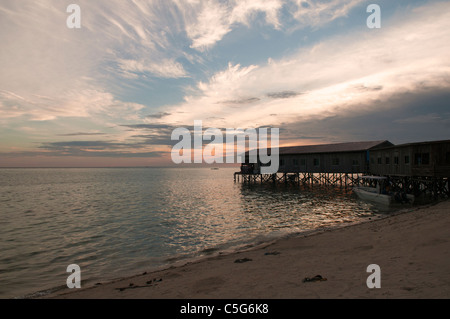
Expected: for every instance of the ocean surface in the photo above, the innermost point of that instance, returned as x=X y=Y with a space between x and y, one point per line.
x=115 y=222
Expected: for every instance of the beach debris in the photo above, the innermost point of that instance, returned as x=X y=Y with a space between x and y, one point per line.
x=149 y=284
x=153 y=281
x=243 y=260
x=272 y=253
x=314 y=279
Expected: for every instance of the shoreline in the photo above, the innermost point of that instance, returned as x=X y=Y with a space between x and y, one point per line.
x=411 y=247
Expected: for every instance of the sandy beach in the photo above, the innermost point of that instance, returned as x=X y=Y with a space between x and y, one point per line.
x=412 y=249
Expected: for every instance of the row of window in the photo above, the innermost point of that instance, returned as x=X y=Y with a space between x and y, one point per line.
x=419 y=159
x=316 y=162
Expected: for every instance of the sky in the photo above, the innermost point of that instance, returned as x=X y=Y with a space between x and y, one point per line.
x=112 y=92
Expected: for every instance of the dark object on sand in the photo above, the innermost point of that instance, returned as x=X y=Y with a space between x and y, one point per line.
x=150 y=283
x=272 y=253
x=243 y=260
x=314 y=279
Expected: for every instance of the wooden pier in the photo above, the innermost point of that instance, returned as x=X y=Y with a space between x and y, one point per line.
x=336 y=179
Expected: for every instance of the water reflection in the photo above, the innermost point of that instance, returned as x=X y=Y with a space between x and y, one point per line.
x=301 y=208
x=116 y=222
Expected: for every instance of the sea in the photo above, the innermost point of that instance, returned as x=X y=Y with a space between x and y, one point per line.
x=118 y=222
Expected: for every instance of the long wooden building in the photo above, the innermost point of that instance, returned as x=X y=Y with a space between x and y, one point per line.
x=413 y=167
x=329 y=158
x=347 y=158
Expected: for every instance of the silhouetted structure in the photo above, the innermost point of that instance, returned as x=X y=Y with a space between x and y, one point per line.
x=414 y=168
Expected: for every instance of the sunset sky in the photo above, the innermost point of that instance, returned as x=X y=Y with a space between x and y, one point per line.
x=112 y=92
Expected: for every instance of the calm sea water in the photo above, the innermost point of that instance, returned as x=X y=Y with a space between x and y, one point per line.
x=121 y=221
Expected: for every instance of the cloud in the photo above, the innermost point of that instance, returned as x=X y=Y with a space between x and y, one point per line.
x=283 y=95
x=245 y=10
x=82 y=144
x=320 y=12
x=83 y=153
x=156 y=139
x=150 y=126
x=153 y=134
x=87 y=81
x=208 y=22
x=423 y=118
x=241 y=101
x=50 y=71
x=82 y=134
x=210 y=25
x=164 y=68
x=356 y=72
x=158 y=115
x=391 y=123
x=93 y=149
x=363 y=87
x=80 y=103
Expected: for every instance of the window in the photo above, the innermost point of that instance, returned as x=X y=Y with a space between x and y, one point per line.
x=387 y=160
x=422 y=158
x=356 y=162
x=316 y=162
x=407 y=159
x=335 y=161
x=417 y=159
x=396 y=160
x=295 y=161
x=379 y=160
x=372 y=160
x=447 y=158
x=426 y=158
x=303 y=162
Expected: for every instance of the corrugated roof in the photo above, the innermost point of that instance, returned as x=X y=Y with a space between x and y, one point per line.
x=417 y=144
x=331 y=148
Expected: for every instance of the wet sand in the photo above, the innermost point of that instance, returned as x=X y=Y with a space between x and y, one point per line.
x=412 y=249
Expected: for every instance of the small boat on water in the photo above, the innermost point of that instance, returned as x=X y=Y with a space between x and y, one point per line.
x=214 y=168
x=381 y=193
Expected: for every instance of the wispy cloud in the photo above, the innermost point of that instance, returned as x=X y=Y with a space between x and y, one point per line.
x=208 y=22
x=315 y=13
x=98 y=149
x=283 y=95
x=240 y=101
x=136 y=70
x=349 y=73
x=424 y=118
x=73 y=103
x=82 y=134
x=164 y=68
x=159 y=115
